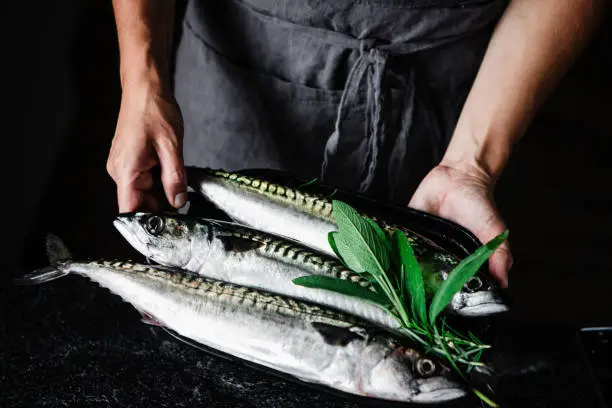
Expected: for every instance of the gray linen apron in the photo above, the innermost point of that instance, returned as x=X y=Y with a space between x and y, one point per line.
x=363 y=94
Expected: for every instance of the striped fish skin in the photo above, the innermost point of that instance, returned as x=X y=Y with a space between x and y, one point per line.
x=244 y=256
x=304 y=340
x=308 y=218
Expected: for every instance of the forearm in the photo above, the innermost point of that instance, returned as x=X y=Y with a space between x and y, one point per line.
x=531 y=48
x=144 y=29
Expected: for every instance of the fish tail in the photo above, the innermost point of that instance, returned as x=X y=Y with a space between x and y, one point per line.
x=42 y=275
x=58 y=254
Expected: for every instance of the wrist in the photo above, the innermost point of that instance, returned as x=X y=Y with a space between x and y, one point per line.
x=484 y=156
x=139 y=88
x=144 y=71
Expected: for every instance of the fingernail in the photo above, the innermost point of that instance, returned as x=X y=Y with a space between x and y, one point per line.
x=180 y=199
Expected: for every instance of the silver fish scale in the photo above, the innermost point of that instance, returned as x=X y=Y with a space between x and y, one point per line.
x=240 y=295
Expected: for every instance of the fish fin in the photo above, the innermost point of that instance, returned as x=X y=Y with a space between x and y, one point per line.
x=334 y=335
x=239 y=244
x=58 y=254
x=149 y=319
x=192 y=343
x=42 y=275
x=56 y=249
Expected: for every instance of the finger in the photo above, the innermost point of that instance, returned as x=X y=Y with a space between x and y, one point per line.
x=173 y=173
x=129 y=198
x=131 y=190
x=143 y=181
x=151 y=203
x=500 y=263
x=501 y=260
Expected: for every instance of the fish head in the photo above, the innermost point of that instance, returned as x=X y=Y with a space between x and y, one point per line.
x=164 y=238
x=405 y=374
x=480 y=296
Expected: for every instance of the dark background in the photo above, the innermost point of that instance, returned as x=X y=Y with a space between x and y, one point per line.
x=64 y=95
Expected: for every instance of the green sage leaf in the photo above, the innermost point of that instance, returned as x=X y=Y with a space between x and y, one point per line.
x=461 y=274
x=382 y=235
x=341 y=286
x=403 y=293
x=413 y=277
x=332 y=244
x=358 y=242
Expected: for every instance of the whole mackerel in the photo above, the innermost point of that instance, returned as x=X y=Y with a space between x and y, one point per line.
x=244 y=256
x=306 y=341
x=308 y=218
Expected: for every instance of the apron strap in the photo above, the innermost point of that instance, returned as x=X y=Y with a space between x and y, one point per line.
x=371 y=66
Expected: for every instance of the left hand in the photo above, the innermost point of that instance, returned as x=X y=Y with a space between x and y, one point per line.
x=464 y=194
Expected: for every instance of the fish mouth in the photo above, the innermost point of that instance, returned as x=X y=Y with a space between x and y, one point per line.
x=439 y=395
x=438 y=390
x=131 y=235
x=482 y=303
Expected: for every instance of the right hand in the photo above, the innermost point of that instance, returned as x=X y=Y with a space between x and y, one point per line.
x=463 y=193
x=149 y=133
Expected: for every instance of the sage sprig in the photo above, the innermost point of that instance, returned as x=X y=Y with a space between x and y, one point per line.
x=400 y=284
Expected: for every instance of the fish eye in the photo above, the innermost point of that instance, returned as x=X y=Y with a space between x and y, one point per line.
x=425 y=367
x=474 y=284
x=154 y=225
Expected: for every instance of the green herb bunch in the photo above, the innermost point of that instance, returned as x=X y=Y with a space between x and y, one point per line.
x=388 y=262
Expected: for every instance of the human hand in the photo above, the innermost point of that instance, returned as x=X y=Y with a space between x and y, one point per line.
x=464 y=194
x=149 y=133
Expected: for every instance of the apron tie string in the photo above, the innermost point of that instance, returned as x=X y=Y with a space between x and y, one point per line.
x=370 y=65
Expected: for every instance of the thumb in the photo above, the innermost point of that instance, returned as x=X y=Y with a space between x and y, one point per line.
x=500 y=263
x=501 y=260
x=173 y=174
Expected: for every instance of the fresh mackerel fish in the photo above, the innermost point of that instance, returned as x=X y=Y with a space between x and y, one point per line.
x=244 y=256
x=306 y=341
x=308 y=218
